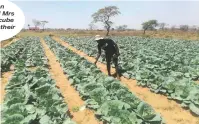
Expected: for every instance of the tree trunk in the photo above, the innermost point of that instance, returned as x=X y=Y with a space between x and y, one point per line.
x=108 y=29
x=35 y=28
x=43 y=28
x=144 y=31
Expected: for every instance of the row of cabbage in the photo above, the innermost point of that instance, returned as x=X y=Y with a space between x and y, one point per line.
x=112 y=101
x=175 y=55
x=31 y=95
x=32 y=98
x=26 y=49
x=165 y=66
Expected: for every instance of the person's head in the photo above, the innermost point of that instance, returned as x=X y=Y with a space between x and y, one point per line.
x=98 y=38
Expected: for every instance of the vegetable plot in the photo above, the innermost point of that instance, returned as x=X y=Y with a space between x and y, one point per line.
x=32 y=98
x=165 y=66
x=112 y=101
x=27 y=49
x=10 y=53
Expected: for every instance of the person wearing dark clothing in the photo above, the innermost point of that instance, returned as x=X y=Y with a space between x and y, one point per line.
x=111 y=52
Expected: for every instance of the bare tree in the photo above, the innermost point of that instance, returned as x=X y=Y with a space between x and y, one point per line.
x=162 y=26
x=173 y=27
x=103 y=15
x=184 y=27
x=43 y=23
x=121 y=27
x=92 y=26
x=193 y=28
x=36 y=23
x=149 y=25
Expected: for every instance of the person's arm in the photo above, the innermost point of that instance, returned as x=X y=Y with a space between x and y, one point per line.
x=117 y=49
x=99 y=53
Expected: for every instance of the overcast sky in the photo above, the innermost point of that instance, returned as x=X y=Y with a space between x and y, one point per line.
x=77 y=14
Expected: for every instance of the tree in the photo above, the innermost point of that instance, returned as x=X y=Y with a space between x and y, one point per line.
x=103 y=15
x=122 y=28
x=184 y=27
x=92 y=26
x=43 y=23
x=108 y=27
x=162 y=26
x=193 y=28
x=149 y=25
x=173 y=27
x=36 y=23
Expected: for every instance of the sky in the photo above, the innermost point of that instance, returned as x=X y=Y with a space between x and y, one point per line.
x=77 y=14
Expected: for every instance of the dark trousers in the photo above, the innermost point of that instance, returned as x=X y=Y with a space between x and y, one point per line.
x=109 y=58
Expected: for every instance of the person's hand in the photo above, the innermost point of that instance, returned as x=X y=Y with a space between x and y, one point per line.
x=116 y=55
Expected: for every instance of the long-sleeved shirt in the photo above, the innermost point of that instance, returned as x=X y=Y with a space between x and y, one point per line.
x=109 y=46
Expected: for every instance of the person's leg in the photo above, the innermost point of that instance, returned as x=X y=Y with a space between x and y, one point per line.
x=108 y=64
x=115 y=60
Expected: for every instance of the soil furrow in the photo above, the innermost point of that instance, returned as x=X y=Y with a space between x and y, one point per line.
x=71 y=96
x=171 y=111
x=4 y=80
x=7 y=43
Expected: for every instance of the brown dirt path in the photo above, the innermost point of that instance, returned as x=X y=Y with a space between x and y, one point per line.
x=71 y=96
x=7 y=42
x=171 y=111
x=4 y=80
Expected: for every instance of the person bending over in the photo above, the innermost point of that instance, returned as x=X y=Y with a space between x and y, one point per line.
x=111 y=52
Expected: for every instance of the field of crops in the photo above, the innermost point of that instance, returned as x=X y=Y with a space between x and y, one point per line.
x=27 y=50
x=165 y=66
x=31 y=95
x=111 y=101
x=169 y=67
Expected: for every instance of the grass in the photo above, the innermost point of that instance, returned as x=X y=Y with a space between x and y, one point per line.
x=6 y=42
x=153 y=34
x=3 y=43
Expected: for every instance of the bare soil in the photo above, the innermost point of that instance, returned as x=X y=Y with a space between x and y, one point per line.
x=4 y=80
x=7 y=42
x=71 y=96
x=171 y=111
